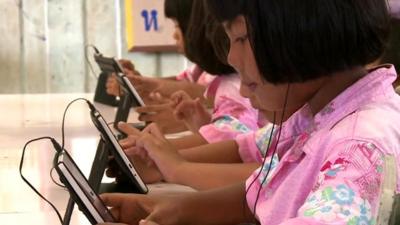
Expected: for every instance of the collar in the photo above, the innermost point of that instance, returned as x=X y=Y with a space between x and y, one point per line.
x=373 y=86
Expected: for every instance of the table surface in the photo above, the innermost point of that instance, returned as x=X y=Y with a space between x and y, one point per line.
x=24 y=117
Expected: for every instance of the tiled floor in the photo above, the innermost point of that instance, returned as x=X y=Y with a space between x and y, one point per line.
x=24 y=117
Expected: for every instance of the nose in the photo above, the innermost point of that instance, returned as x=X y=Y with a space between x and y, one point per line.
x=232 y=57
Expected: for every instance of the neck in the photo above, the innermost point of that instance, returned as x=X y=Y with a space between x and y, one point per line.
x=332 y=86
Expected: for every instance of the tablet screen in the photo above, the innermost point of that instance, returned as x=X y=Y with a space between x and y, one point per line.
x=110 y=65
x=85 y=187
x=120 y=156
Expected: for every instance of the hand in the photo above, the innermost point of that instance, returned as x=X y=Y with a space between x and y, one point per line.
x=151 y=143
x=129 y=144
x=128 y=209
x=147 y=85
x=133 y=209
x=127 y=64
x=112 y=85
x=113 y=170
x=191 y=112
x=163 y=115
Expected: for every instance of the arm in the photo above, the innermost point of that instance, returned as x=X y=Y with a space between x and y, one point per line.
x=189 y=141
x=220 y=152
x=348 y=188
x=211 y=207
x=193 y=89
x=203 y=176
x=201 y=208
x=176 y=169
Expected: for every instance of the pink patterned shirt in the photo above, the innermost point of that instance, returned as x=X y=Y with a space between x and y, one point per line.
x=394 y=6
x=327 y=168
x=197 y=75
x=232 y=114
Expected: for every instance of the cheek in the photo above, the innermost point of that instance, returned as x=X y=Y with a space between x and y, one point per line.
x=177 y=35
x=233 y=57
x=269 y=100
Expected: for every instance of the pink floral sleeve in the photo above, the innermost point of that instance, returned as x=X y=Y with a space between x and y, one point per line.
x=347 y=188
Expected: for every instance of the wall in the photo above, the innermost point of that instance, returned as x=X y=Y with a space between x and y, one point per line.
x=42 y=45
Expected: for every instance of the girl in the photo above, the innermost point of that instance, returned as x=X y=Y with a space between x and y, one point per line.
x=204 y=43
x=232 y=113
x=304 y=64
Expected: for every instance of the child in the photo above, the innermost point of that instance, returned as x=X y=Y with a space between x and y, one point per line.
x=204 y=43
x=179 y=12
x=306 y=59
x=232 y=113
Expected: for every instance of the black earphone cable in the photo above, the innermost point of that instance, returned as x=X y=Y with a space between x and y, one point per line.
x=64 y=116
x=273 y=154
x=54 y=181
x=88 y=61
x=262 y=165
x=26 y=180
x=58 y=149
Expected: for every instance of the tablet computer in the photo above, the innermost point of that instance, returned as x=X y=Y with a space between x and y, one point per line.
x=111 y=65
x=116 y=150
x=81 y=192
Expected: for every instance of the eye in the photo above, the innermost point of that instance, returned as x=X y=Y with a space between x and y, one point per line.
x=252 y=86
x=242 y=39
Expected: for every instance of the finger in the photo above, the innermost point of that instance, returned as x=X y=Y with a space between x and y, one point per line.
x=176 y=98
x=128 y=129
x=128 y=142
x=147 y=222
x=154 y=130
x=146 y=141
x=147 y=117
x=139 y=81
x=182 y=95
x=184 y=109
x=151 y=218
x=126 y=64
x=149 y=162
x=115 y=212
x=113 y=200
x=127 y=72
x=151 y=108
x=143 y=155
x=157 y=97
x=131 y=151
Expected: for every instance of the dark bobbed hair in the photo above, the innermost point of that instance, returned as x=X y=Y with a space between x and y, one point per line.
x=392 y=54
x=180 y=10
x=206 y=42
x=297 y=41
x=225 y=10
